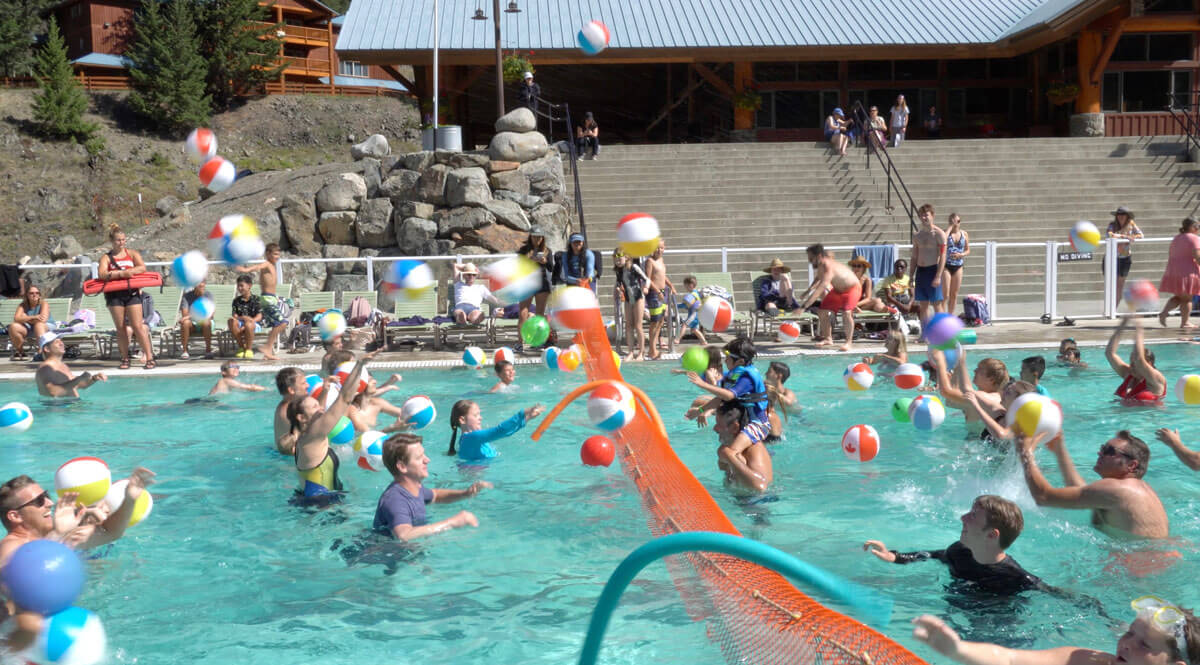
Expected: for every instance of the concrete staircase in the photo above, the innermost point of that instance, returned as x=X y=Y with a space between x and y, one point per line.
x=769 y=195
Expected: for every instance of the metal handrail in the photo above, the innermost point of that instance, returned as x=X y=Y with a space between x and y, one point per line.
x=566 y=118
x=1186 y=115
x=894 y=181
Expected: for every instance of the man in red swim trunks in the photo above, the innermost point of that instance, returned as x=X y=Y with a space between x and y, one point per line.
x=841 y=290
x=1142 y=382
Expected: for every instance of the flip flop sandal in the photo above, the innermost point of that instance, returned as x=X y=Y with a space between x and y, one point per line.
x=124 y=364
x=1065 y=323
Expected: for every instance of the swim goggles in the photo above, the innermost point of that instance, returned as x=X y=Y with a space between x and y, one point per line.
x=1166 y=617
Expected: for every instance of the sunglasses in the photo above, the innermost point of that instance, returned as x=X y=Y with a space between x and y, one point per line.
x=1109 y=449
x=39 y=500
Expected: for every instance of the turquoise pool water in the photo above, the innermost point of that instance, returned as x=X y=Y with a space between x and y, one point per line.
x=224 y=571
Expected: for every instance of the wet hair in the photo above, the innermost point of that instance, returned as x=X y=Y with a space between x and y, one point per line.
x=1067 y=343
x=1002 y=515
x=293 y=414
x=459 y=410
x=742 y=348
x=743 y=414
x=7 y=491
x=1149 y=356
x=995 y=370
x=928 y=207
x=225 y=366
x=1191 y=637
x=781 y=370
x=815 y=250
x=1036 y=364
x=690 y=279
x=245 y=279
x=395 y=449
x=714 y=356
x=501 y=365
x=113 y=230
x=1014 y=389
x=271 y=247
x=285 y=377
x=1139 y=450
x=335 y=358
x=901 y=341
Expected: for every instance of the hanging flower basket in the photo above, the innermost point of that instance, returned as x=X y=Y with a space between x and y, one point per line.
x=515 y=66
x=1062 y=93
x=748 y=100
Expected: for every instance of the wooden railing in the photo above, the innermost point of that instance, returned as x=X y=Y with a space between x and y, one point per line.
x=90 y=82
x=297 y=32
x=306 y=64
x=301 y=88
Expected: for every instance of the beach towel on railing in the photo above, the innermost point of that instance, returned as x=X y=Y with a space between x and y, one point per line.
x=881 y=257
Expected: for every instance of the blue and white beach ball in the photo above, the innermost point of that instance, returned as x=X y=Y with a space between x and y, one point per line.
x=926 y=413
x=418 y=411
x=369 y=449
x=408 y=279
x=15 y=417
x=74 y=636
x=312 y=382
x=189 y=269
x=331 y=325
x=593 y=37
x=550 y=357
x=202 y=309
x=473 y=356
x=611 y=406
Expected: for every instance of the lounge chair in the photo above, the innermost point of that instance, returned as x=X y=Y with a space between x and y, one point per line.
x=742 y=322
x=764 y=323
x=424 y=306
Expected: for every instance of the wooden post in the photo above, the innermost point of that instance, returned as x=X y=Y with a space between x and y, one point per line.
x=668 y=102
x=1090 y=44
x=742 y=76
x=329 y=49
x=1036 y=86
x=691 y=77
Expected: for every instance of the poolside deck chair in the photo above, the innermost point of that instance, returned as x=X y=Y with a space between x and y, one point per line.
x=349 y=296
x=103 y=334
x=742 y=322
x=483 y=330
x=222 y=295
x=765 y=324
x=426 y=307
x=8 y=309
x=316 y=300
x=166 y=302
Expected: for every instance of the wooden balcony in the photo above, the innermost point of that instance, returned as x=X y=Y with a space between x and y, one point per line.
x=295 y=34
x=305 y=66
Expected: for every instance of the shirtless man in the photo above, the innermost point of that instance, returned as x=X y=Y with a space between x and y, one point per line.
x=268 y=278
x=292 y=386
x=928 y=262
x=656 y=289
x=1142 y=383
x=1120 y=501
x=839 y=290
x=750 y=469
x=54 y=378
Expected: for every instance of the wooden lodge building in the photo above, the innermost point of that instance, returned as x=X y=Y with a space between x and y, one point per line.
x=688 y=70
x=97 y=33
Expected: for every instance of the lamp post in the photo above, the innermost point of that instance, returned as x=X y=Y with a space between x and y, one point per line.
x=480 y=16
x=435 y=72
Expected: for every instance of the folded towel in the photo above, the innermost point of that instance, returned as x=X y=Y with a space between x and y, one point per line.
x=881 y=257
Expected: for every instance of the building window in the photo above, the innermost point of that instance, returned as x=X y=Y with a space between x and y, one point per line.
x=1166 y=47
x=1168 y=6
x=1134 y=92
x=352 y=68
x=76 y=11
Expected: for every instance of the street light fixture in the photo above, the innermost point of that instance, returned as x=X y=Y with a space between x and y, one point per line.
x=480 y=16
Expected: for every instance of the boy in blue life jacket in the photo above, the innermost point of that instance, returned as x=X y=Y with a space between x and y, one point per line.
x=691 y=311
x=744 y=384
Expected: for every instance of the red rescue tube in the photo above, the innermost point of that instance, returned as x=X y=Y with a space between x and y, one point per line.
x=142 y=280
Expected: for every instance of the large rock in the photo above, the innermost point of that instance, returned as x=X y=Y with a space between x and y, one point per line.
x=432 y=186
x=346 y=192
x=457 y=220
x=373 y=228
x=554 y=220
x=372 y=175
x=526 y=201
x=517 y=147
x=509 y=214
x=401 y=185
x=375 y=146
x=497 y=166
x=460 y=160
x=418 y=161
x=407 y=209
x=340 y=283
x=467 y=186
x=67 y=247
x=340 y=252
x=414 y=234
x=518 y=120
x=337 y=227
x=1087 y=124
x=165 y=205
x=299 y=219
x=495 y=238
x=305 y=278
x=545 y=175
x=513 y=181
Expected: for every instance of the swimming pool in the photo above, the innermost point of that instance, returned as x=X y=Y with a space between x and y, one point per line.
x=224 y=571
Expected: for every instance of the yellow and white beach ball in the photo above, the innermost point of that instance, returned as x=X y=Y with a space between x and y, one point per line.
x=858 y=376
x=1187 y=389
x=87 y=475
x=142 y=506
x=638 y=234
x=1085 y=237
x=1035 y=415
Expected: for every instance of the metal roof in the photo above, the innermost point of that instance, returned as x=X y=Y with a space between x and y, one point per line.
x=104 y=60
x=403 y=25
x=356 y=82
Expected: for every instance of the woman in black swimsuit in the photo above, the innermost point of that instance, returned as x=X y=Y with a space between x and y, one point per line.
x=123 y=263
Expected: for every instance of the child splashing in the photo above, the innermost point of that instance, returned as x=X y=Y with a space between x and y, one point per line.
x=895 y=352
x=475 y=443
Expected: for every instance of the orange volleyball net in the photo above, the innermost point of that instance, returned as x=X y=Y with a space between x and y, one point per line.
x=753 y=613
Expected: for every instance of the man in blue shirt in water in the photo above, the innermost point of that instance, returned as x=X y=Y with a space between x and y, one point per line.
x=401 y=508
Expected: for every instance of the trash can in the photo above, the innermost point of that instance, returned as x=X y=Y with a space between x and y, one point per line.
x=449 y=137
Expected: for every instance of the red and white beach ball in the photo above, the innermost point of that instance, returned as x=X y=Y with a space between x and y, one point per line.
x=593 y=37
x=217 y=174
x=637 y=234
x=789 y=332
x=342 y=372
x=201 y=144
x=574 y=308
x=861 y=443
x=909 y=376
x=858 y=376
x=1141 y=295
x=716 y=314
x=503 y=354
x=611 y=406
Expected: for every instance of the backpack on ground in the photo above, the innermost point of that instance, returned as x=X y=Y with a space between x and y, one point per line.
x=359 y=312
x=976 y=311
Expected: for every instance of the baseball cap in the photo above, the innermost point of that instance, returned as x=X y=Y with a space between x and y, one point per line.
x=576 y=237
x=528 y=75
x=46 y=338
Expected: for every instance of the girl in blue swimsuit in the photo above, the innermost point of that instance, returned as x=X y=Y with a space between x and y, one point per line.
x=958 y=246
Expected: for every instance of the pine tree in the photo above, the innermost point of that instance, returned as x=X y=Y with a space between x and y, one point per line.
x=58 y=107
x=167 y=70
x=240 y=47
x=20 y=20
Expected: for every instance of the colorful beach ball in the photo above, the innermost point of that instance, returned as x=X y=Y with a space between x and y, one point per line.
x=926 y=413
x=503 y=354
x=861 y=443
x=1187 y=390
x=716 y=314
x=15 y=417
x=473 y=356
x=900 y=409
x=789 y=332
x=312 y=383
x=332 y=324
x=611 y=406
x=1035 y=415
x=570 y=359
x=342 y=432
x=235 y=240
x=408 y=279
x=593 y=37
x=573 y=308
x=217 y=174
x=418 y=411
x=909 y=376
x=201 y=144
x=327 y=395
x=368 y=447
x=189 y=269
x=942 y=329
x=220 y=231
x=1084 y=236
x=514 y=279
x=550 y=357
x=638 y=234
x=342 y=372
x=202 y=309
x=73 y=636
x=142 y=506
x=597 y=450
x=89 y=476
x=1141 y=295
x=858 y=376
